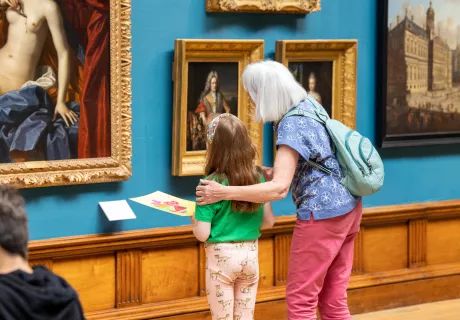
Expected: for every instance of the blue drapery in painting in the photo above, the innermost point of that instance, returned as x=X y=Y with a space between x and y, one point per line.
x=26 y=121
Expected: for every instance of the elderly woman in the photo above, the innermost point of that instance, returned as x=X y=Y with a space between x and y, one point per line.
x=328 y=216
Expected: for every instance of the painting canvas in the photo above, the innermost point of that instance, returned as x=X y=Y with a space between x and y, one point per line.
x=212 y=90
x=420 y=80
x=207 y=82
x=65 y=92
x=316 y=78
x=54 y=80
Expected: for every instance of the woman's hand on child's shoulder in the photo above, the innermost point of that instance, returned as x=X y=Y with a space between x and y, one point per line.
x=208 y=192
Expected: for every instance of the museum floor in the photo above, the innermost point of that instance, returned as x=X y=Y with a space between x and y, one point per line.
x=432 y=311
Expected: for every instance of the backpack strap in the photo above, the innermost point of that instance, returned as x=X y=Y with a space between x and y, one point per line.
x=319 y=110
x=319 y=116
x=302 y=113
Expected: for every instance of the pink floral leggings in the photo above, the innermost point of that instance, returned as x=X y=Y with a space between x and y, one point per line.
x=232 y=276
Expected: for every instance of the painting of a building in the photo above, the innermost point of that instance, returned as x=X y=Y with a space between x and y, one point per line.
x=421 y=72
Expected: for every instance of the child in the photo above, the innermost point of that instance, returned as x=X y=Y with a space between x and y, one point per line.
x=230 y=229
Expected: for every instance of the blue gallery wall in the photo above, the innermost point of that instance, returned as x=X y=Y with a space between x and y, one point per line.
x=413 y=175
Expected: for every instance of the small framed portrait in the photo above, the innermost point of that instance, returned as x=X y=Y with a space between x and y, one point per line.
x=418 y=83
x=327 y=71
x=316 y=78
x=264 y=6
x=212 y=90
x=207 y=83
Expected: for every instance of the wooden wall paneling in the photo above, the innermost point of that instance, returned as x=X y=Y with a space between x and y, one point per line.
x=93 y=277
x=153 y=310
x=170 y=273
x=403 y=275
x=205 y=315
x=417 y=243
x=386 y=248
x=402 y=294
x=202 y=270
x=266 y=265
x=443 y=241
x=282 y=250
x=358 y=253
x=47 y=263
x=129 y=274
x=390 y=266
x=275 y=310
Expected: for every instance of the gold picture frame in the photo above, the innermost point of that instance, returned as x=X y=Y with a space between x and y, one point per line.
x=117 y=167
x=190 y=55
x=343 y=56
x=264 y=6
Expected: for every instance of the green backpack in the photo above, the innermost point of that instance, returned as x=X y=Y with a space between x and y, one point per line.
x=361 y=164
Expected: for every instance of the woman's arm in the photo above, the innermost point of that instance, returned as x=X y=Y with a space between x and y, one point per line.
x=276 y=189
x=269 y=218
x=56 y=26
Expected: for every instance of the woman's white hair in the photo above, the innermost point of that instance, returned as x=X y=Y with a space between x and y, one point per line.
x=273 y=88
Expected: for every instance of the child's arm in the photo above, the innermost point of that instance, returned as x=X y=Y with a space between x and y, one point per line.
x=201 y=230
x=269 y=218
x=202 y=218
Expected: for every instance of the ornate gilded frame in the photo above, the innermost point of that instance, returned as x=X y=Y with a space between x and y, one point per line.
x=344 y=55
x=264 y=6
x=191 y=163
x=93 y=170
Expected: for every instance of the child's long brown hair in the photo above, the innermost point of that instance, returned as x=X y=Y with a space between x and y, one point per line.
x=231 y=156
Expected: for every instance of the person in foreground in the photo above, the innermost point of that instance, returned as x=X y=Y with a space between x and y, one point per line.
x=230 y=229
x=328 y=216
x=25 y=292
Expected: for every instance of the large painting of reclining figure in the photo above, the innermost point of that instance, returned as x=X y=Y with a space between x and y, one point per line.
x=64 y=93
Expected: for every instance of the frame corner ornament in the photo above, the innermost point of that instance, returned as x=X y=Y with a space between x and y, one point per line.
x=264 y=6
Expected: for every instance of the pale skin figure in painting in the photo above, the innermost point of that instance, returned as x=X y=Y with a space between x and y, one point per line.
x=312 y=87
x=212 y=101
x=29 y=23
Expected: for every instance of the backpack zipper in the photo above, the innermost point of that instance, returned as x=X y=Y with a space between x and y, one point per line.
x=361 y=153
x=347 y=145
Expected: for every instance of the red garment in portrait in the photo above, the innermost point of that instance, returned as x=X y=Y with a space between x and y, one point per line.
x=91 y=21
x=201 y=108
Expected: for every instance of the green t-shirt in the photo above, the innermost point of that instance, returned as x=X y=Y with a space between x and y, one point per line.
x=227 y=225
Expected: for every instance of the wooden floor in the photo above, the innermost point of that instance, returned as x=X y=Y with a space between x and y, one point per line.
x=432 y=311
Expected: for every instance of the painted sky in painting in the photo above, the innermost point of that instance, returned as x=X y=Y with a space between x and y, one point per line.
x=447 y=16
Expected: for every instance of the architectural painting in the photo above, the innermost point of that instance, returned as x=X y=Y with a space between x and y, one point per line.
x=422 y=69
